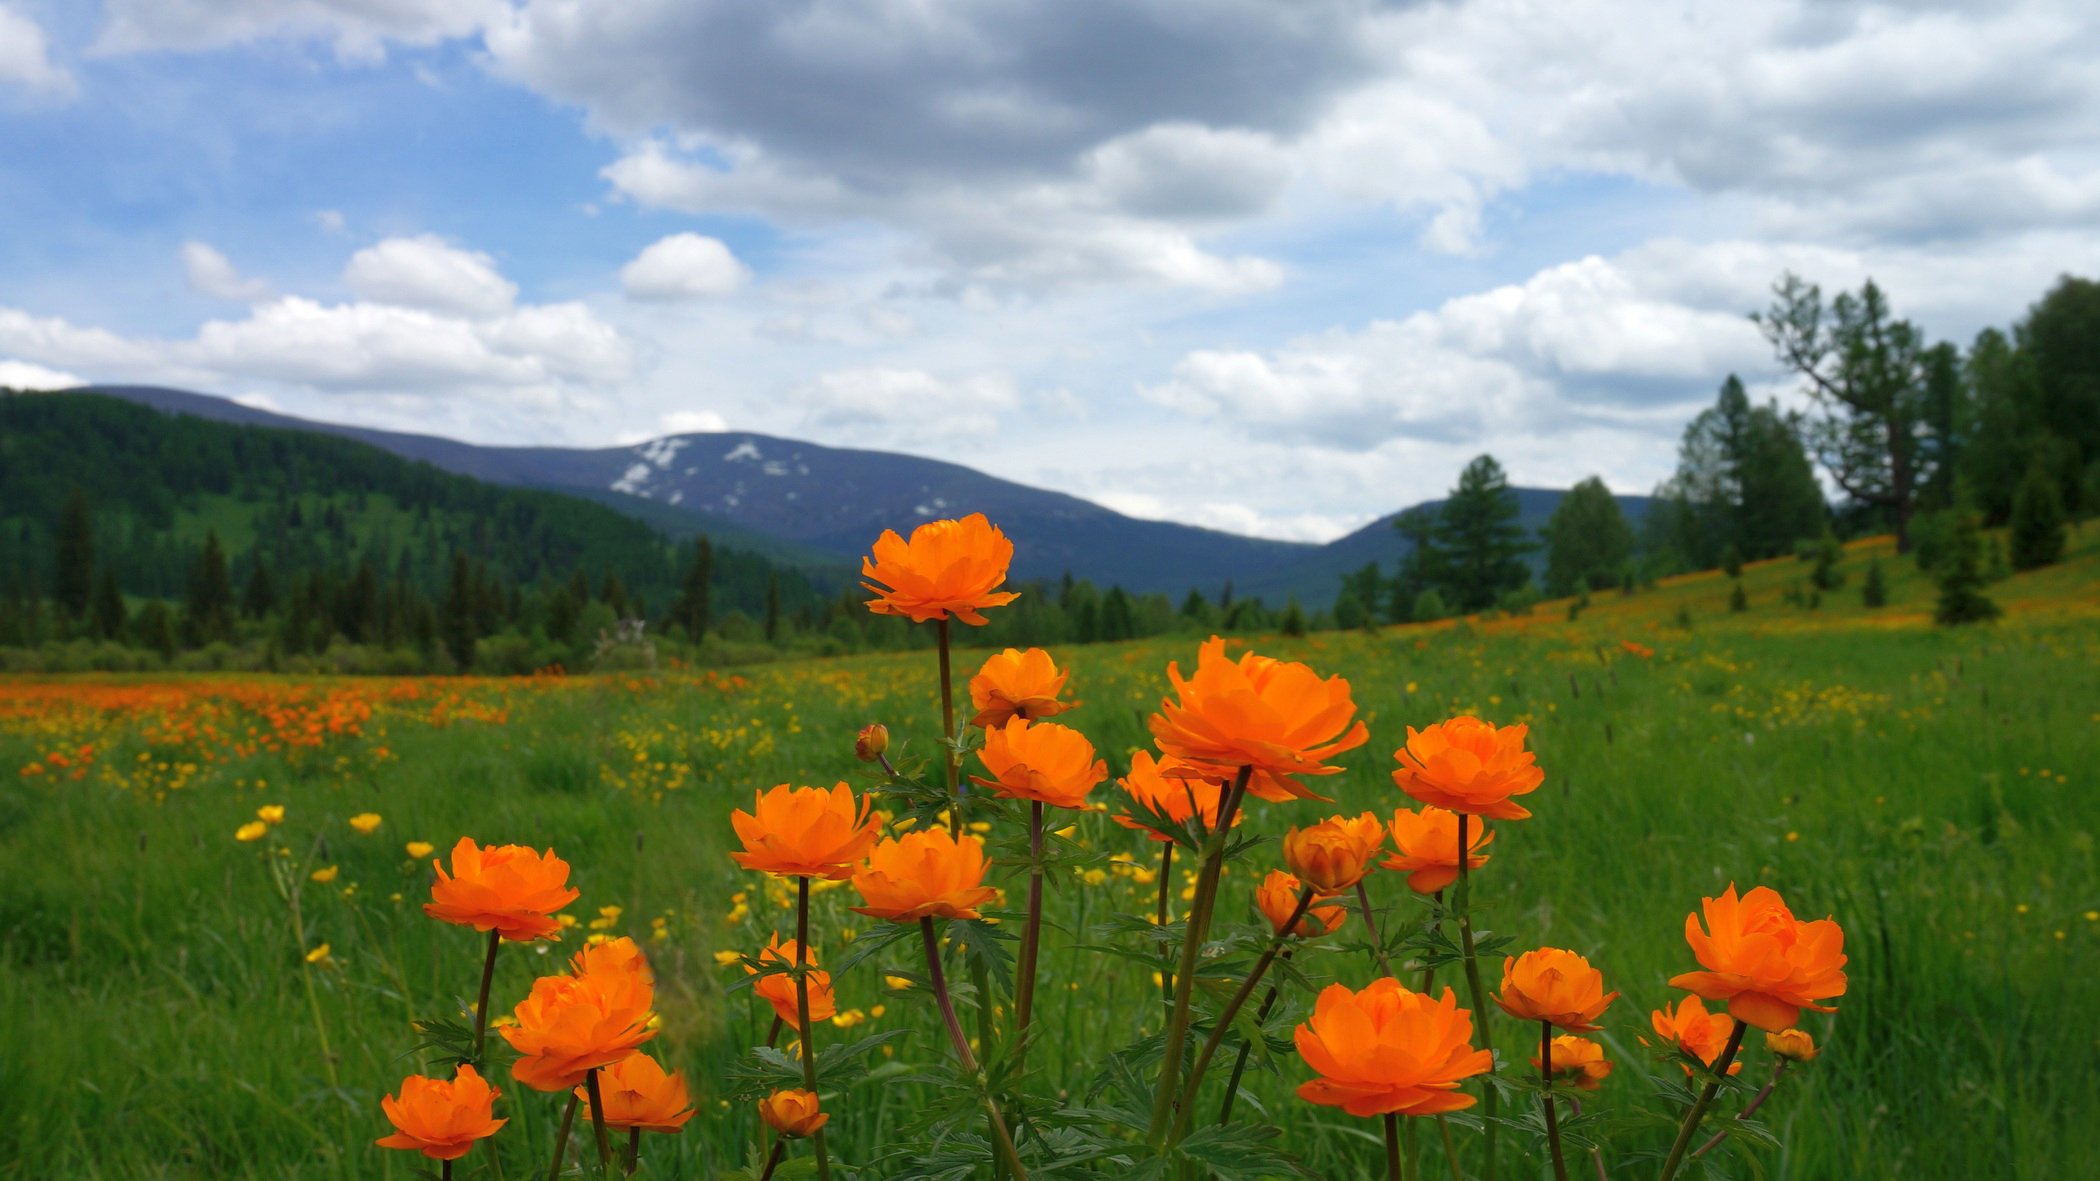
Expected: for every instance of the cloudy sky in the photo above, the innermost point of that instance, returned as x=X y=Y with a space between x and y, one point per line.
x=1273 y=267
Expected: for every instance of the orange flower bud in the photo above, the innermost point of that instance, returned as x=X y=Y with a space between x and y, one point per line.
x=1794 y=1045
x=1554 y=985
x=1387 y=1049
x=1335 y=854
x=508 y=889
x=871 y=742
x=928 y=874
x=1017 y=684
x=1578 y=1060
x=441 y=1118
x=810 y=832
x=947 y=570
x=1277 y=897
x=1277 y=717
x=1168 y=799
x=792 y=1113
x=1428 y=844
x=1696 y=1032
x=1470 y=766
x=571 y=1024
x=638 y=1094
x=1764 y=962
x=1040 y=761
x=778 y=990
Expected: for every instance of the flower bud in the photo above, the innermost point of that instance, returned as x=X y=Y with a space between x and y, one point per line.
x=792 y=1112
x=1794 y=1045
x=871 y=742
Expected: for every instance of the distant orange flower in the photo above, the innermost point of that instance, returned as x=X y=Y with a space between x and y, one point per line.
x=1764 y=962
x=1470 y=766
x=1277 y=717
x=441 y=1118
x=1794 y=1045
x=1017 y=684
x=1428 y=844
x=509 y=889
x=1277 y=897
x=1335 y=854
x=1387 y=1049
x=1693 y=1030
x=925 y=874
x=793 y=1112
x=1555 y=985
x=1040 y=761
x=1578 y=1060
x=947 y=570
x=638 y=1094
x=778 y=990
x=571 y=1024
x=810 y=832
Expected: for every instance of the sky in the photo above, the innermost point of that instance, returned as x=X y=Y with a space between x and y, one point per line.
x=1272 y=268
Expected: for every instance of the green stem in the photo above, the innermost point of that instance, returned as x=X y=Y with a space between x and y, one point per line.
x=1191 y=943
x=1490 y=1100
x=1219 y=1027
x=1363 y=902
x=634 y=1150
x=1159 y=919
x=949 y=756
x=939 y=980
x=561 y=1138
x=809 y=1042
x=590 y=1086
x=1239 y=1064
x=1393 y=1171
x=1560 y=1164
x=481 y=1001
x=1749 y=1109
x=1706 y=1097
x=780 y=1144
x=1443 y=1127
x=1031 y=937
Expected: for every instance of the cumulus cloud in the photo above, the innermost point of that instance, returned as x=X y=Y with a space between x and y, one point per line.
x=890 y=404
x=25 y=59
x=427 y=272
x=21 y=375
x=692 y=422
x=359 y=30
x=211 y=273
x=684 y=266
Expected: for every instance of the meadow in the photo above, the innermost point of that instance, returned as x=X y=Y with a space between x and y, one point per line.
x=182 y=1003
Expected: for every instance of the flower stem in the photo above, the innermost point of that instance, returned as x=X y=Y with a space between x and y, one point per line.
x=809 y=1042
x=590 y=1084
x=961 y=1042
x=1191 y=943
x=780 y=1144
x=445 y=1171
x=1239 y=1064
x=949 y=756
x=481 y=1000
x=561 y=1138
x=1706 y=1097
x=1560 y=1164
x=1031 y=937
x=1232 y=1007
x=1443 y=1126
x=1490 y=1100
x=634 y=1150
x=1159 y=919
x=1393 y=1171
x=1749 y=1109
x=1363 y=902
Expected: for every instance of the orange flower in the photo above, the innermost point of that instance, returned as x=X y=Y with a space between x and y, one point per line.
x=792 y=1113
x=1554 y=985
x=1578 y=1060
x=572 y=1024
x=926 y=874
x=1764 y=962
x=1693 y=1030
x=809 y=832
x=1428 y=844
x=441 y=1119
x=1168 y=798
x=1335 y=854
x=1794 y=1045
x=508 y=889
x=638 y=1094
x=1386 y=1049
x=1469 y=766
x=1017 y=684
x=778 y=990
x=871 y=742
x=1044 y=762
x=1277 y=897
x=1277 y=717
x=947 y=569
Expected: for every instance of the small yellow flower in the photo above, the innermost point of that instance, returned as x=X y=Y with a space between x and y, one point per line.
x=251 y=831
x=1792 y=836
x=726 y=957
x=325 y=873
x=420 y=849
x=366 y=823
x=270 y=813
x=608 y=918
x=318 y=955
x=900 y=983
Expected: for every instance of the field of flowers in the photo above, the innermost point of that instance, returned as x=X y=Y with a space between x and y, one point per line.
x=215 y=960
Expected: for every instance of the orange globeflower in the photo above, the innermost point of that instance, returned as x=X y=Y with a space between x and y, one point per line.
x=1277 y=717
x=778 y=989
x=1554 y=985
x=1428 y=844
x=1387 y=1049
x=872 y=740
x=1169 y=799
x=793 y=1112
x=1335 y=854
x=1578 y=1060
x=1277 y=897
x=1044 y=762
x=1794 y=1045
x=508 y=889
x=1017 y=684
x=927 y=874
x=1767 y=964
x=439 y=1118
x=1469 y=766
x=638 y=1094
x=810 y=832
x=1695 y=1031
x=947 y=570
x=571 y=1024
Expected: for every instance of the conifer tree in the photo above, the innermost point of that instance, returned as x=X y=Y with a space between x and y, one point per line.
x=1478 y=541
x=1961 y=583
x=1874 y=592
x=107 y=619
x=73 y=583
x=207 y=613
x=2037 y=521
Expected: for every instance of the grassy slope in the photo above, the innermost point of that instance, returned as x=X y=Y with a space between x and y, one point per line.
x=1932 y=789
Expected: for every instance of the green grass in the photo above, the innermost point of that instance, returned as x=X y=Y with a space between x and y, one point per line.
x=1891 y=775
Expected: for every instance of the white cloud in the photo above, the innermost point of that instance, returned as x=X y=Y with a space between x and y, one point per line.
x=211 y=273
x=684 y=266
x=21 y=375
x=25 y=59
x=894 y=404
x=330 y=220
x=692 y=422
x=427 y=272
x=53 y=341
x=359 y=30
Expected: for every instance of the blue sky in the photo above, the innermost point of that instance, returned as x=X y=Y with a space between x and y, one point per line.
x=1278 y=269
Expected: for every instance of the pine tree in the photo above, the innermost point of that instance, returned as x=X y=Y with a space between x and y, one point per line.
x=1874 y=592
x=1293 y=624
x=1478 y=539
x=2037 y=521
x=696 y=592
x=73 y=585
x=457 y=619
x=1738 y=602
x=259 y=596
x=1961 y=584
x=1731 y=565
x=107 y=619
x=773 y=615
x=155 y=629
x=1828 y=554
x=1587 y=538
x=207 y=611
x=1428 y=607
